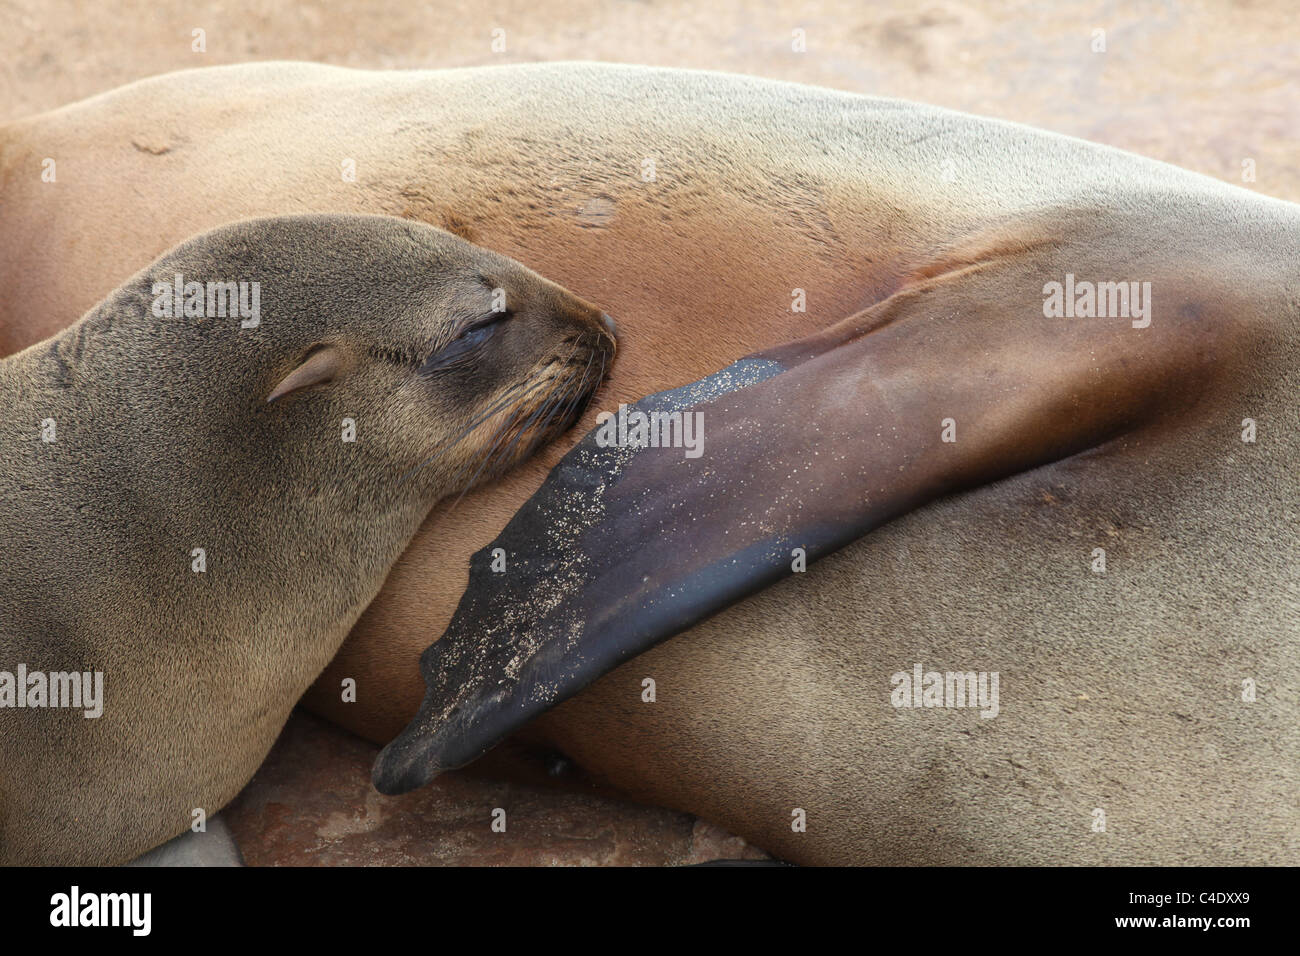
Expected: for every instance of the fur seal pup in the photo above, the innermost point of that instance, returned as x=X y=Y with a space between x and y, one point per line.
x=718 y=216
x=196 y=503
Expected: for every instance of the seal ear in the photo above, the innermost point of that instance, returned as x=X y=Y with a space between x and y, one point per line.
x=958 y=379
x=323 y=364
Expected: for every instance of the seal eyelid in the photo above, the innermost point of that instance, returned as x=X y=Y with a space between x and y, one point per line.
x=492 y=318
x=320 y=365
x=460 y=350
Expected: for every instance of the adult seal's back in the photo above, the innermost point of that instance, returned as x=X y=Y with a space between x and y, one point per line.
x=205 y=481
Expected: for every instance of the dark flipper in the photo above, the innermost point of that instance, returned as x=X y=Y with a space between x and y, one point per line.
x=807 y=446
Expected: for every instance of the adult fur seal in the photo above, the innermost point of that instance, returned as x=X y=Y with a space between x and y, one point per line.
x=704 y=210
x=197 y=503
x=807 y=447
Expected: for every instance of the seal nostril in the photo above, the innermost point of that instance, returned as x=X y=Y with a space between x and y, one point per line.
x=609 y=324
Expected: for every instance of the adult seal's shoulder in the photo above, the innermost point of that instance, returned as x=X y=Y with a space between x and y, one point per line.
x=208 y=476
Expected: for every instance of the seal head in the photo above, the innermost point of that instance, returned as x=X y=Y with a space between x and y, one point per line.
x=208 y=477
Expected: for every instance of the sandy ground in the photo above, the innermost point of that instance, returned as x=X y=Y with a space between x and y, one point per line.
x=1209 y=85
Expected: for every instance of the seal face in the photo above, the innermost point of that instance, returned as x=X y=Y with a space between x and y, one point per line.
x=207 y=479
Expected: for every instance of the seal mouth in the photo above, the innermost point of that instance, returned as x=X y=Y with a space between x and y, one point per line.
x=527 y=414
x=545 y=406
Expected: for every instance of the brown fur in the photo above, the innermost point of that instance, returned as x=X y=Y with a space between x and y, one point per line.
x=172 y=435
x=763 y=187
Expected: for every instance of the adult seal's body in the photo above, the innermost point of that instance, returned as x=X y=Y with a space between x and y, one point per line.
x=717 y=216
x=197 y=503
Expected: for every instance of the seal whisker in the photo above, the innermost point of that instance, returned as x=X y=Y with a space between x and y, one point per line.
x=505 y=429
x=509 y=396
x=540 y=381
x=524 y=424
x=581 y=390
x=530 y=425
x=449 y=443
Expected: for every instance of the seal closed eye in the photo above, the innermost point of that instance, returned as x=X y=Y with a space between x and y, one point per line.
x=196 y=503
x=464 y=344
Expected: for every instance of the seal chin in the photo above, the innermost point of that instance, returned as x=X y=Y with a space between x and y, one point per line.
x=545 y=414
